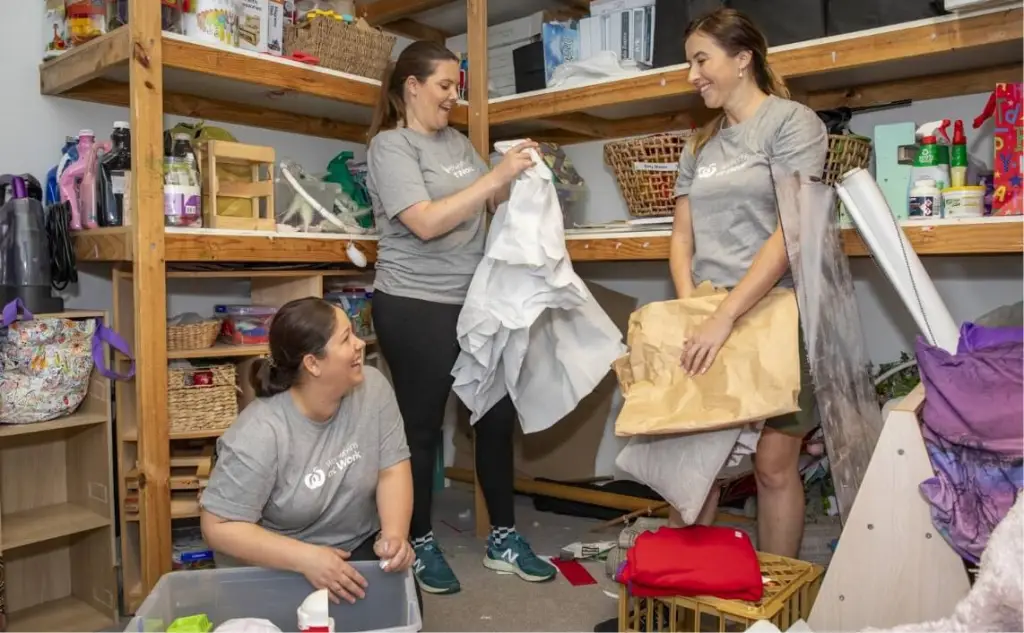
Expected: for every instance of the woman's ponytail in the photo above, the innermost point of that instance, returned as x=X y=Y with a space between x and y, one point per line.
x=386 y=112
x=267 y=380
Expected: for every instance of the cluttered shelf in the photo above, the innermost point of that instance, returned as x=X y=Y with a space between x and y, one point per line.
x=929 y=58
x=221 y=83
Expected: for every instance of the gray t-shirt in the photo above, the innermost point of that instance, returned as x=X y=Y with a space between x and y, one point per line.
x=406 y=167
x=729 y=183
x=313 y=481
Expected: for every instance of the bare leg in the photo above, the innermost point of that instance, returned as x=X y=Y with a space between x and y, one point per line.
x=780 y=494
x=708 y=511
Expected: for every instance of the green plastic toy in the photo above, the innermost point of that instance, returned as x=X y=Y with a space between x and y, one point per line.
x=191 y=624
x=338 y=173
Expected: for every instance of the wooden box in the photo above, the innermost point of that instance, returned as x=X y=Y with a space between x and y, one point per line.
x=238 y=186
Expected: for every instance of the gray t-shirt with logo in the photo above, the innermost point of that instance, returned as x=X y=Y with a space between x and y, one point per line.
x=313 y=481
x=729 y=183
x=406 y=167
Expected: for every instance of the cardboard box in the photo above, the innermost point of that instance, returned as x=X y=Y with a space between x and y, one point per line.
x=261 y=26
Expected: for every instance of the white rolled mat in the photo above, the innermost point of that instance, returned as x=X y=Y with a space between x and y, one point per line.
x=891 y=249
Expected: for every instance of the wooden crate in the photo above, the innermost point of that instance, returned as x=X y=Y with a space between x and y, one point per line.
x=789 y=594
x=258 y=191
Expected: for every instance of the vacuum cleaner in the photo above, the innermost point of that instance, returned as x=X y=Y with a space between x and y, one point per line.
x=25 y=262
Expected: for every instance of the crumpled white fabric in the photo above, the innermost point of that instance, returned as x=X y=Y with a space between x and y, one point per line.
x=530 y=327
x=603 y=65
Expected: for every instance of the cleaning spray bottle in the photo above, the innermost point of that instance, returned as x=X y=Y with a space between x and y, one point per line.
x=931 y=163
x=958 y=157
x=313 y=614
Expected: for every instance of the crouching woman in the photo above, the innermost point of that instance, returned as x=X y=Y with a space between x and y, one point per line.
x=314 y=474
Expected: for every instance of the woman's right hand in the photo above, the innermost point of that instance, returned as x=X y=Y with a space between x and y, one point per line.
x=516 y=161
x=327 y=568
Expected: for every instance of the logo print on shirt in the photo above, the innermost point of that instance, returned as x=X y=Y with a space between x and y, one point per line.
x=734 y=165
x=459 y=169
x=317 y=477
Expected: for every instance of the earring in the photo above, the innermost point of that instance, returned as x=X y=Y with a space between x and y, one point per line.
x=741 y=72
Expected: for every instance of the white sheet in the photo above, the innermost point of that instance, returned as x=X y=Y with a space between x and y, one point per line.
x=529 y=327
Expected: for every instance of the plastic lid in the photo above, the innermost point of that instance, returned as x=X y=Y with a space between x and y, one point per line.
x=121 y=125
x=924 y=182
x=965 y=189
x=182 y=136
x=82 y=133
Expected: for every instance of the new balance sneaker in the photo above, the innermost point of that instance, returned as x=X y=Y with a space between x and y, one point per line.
x=513 y=554
x=432 y=571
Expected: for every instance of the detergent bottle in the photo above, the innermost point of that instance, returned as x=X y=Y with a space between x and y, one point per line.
x=72 y=175
x=90 y=190
x=313 y=614
x=931 y=162
x=958 y=157
x=68 y=155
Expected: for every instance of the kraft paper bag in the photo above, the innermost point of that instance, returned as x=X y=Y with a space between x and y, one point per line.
x=756 y=374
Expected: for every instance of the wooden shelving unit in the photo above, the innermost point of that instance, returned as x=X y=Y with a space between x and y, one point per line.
x=154 y=73
x=57 y=516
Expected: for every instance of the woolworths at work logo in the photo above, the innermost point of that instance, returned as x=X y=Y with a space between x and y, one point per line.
x=317 y=477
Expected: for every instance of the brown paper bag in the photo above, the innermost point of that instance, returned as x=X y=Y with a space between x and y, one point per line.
x=756 y=374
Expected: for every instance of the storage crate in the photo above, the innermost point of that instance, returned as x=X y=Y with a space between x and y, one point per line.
x=789 y=593
x=646 y=169
x=252 y=592
x=347 y=47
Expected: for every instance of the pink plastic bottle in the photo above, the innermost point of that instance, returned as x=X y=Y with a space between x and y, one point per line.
x=73 y=174
x=87 y=190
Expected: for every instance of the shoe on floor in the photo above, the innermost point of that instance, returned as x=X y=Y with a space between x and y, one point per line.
x=514 y=555
x=432 y=571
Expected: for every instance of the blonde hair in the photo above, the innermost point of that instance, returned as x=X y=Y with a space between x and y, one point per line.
x=735 y=33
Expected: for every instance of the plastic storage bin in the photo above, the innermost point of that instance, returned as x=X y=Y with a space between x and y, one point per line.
x=252 y=592
x=246 y=325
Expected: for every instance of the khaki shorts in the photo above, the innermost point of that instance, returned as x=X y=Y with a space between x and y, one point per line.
x=802 y=422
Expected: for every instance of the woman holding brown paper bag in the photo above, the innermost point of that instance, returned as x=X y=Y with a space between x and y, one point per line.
x=726 y=231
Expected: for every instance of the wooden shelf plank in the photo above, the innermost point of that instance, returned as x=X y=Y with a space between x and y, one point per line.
x=983 y=237
x=132 y=435
x=221 y=350
x=64 y=614
x=74 y=420
x=254 y=246
x=956 y=43
x=38 y=525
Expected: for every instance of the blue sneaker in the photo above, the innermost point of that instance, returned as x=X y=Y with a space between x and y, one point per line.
x=432 y=571
x=513 y=555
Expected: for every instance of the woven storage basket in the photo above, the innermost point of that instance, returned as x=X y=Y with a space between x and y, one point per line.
x=201 y=398
x=646 y=168
x=845 y=152
x=193 y=335
x=341 y=46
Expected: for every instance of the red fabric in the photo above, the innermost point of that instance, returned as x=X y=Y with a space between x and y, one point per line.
x=574 y=572
x=694 y=561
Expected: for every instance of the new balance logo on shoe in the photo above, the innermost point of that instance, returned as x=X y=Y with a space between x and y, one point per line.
x=509 y=556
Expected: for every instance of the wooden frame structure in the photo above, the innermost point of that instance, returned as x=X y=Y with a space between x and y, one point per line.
x=154 y=73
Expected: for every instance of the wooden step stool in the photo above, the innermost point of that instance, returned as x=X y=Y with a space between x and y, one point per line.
x=259 y=191
x=790 y=589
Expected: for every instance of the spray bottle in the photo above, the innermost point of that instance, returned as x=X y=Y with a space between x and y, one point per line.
x=72 y=174
x=313 y=614
x=958 y=157
x=931 y=163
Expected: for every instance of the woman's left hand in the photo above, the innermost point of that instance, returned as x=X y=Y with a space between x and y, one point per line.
x=700 y=350
x=396 y=552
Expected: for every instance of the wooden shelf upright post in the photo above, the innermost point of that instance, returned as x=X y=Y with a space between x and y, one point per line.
x=479 y=135
x=145 y=64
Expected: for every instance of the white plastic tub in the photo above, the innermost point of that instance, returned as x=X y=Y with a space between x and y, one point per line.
x=963 y=202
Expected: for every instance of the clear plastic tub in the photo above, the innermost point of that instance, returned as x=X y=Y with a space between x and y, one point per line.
x=251 y=592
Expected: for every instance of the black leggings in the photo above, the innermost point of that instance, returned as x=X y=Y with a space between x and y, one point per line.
x=419 y=343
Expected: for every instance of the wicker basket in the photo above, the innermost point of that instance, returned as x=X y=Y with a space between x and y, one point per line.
x=646 y=168
x=845 y=152
x=341 y=46
x=193 y=335
x=201 y=398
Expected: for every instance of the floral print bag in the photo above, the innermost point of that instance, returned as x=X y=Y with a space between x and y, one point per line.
x=45 y=364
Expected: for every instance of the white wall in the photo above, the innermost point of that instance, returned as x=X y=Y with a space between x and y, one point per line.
x=35 y=128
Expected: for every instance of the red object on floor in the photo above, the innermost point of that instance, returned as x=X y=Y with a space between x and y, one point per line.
x=574 y=572
x=694 y=561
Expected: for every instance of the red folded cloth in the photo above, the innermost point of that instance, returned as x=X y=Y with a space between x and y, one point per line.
x=693 y=561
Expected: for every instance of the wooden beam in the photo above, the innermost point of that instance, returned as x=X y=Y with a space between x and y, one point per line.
x=932 y=87
x=208 y=247
x=113 y=93
x=382 y=12
x=416 y=31
x=580 y=123
x=479 y=135
x=150 y=289
x=84 y=63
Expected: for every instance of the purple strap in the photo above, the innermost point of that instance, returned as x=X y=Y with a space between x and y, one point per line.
x=102 y=335
x=11 y=311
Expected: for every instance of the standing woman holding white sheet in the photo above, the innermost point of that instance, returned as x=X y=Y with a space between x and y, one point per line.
x=430 y=190
x=726 y=231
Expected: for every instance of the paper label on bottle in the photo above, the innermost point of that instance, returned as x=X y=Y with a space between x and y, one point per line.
x=119 y=182
x=924 y=207
x=182 y=204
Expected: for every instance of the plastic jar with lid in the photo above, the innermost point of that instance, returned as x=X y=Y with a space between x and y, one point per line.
x=963 y=202
x=925 y=200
